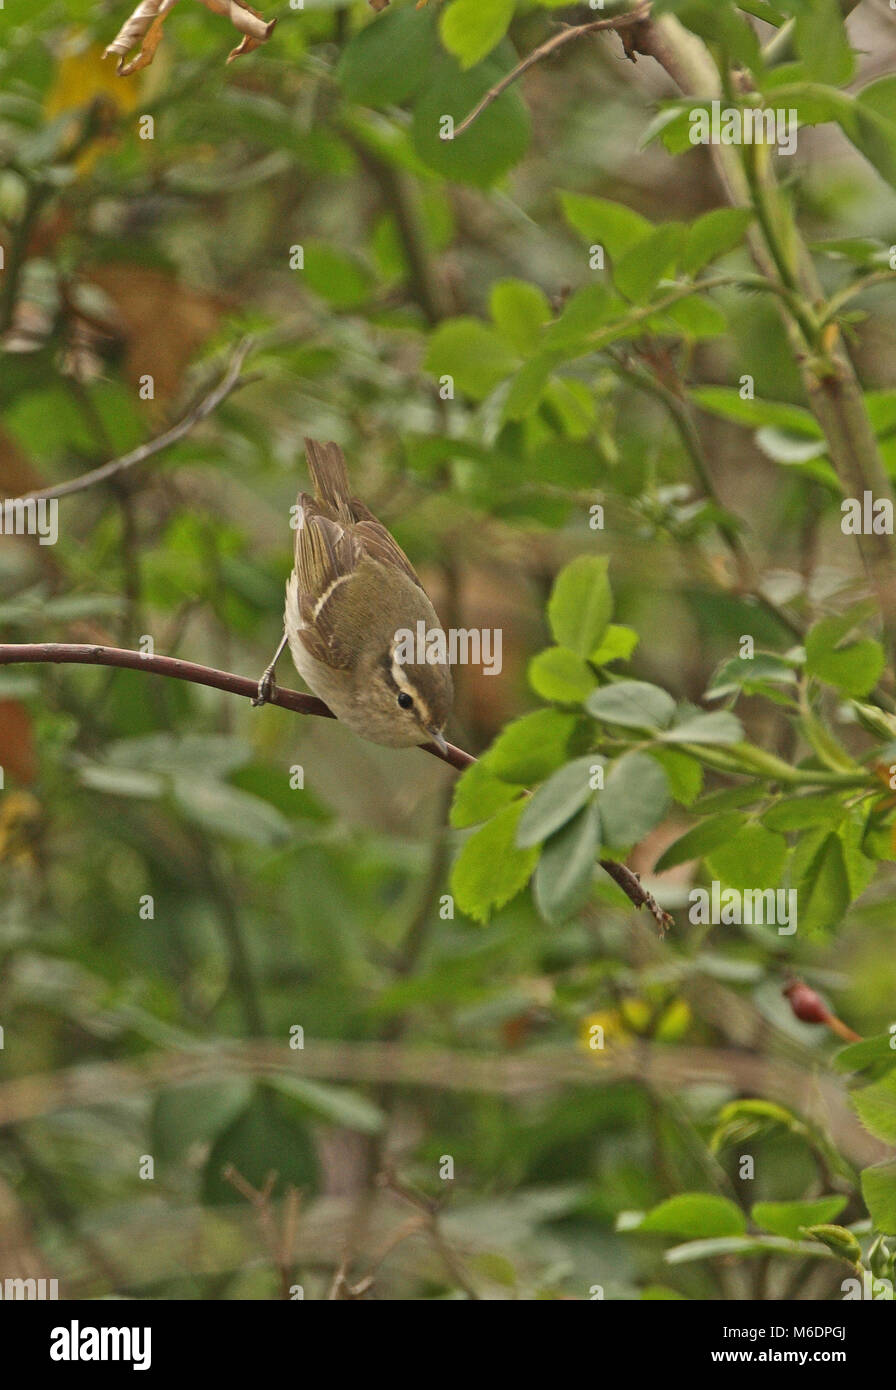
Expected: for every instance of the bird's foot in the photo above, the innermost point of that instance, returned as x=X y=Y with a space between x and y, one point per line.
x=266 y=688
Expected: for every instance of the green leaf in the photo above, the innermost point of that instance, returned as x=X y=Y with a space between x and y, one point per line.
x=472 y=353
x=696 y=1214
x=388 y=60
x=194 y=1113
x=490 y=870
x=121 y=781
x=603 y=223
x=470 y=29
x=634 y=799
x=876 y=1106
x=529 y=749
x=764 y=668
x=803 y=812
x=617 y=644
x=633 y=704
x=498 y=140
x=697 y=317
x=753 y=858
x=478 y=794
x=336 y=276
x=788 y=1218
x=879 y=1192
x=881 y=1048
x=588 y=309
x=519 y=311
x=701 y=839
x=821 y=40
x=683 y=773
x=851 y=667
x=581 y=604
x=560 y=674
x=562 y=880
x=821 y=881
x=712 y=235
x=268 y=1136
x=719 y=727
x=637 y=272
x=226 y=810
x=557 y=800
x=336 y=1104
x=727 y=402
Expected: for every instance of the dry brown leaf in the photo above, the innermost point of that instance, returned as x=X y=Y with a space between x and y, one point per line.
x=145 y=27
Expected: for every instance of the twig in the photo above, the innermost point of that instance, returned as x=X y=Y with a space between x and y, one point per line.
x=556 y=41
x=171 y=666
x=228 y=383
x=77 y=654
x=630 y=884
x=430 y=1211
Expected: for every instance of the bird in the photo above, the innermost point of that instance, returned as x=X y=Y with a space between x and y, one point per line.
x=352 y=599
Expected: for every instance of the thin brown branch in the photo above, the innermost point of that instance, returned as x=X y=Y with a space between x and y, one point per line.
x=77 y=654
x=171 y=666
x=544 y=50
x=229 y=382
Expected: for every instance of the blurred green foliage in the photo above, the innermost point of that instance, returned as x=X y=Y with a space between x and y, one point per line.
x=560 y=380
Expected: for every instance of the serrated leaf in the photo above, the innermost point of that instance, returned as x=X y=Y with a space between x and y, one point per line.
x=876 y=1107
x=789 y=1218
x=557 y=800
x=562 y=880
x=881 y=1048
x=635 y=798
x=562 y=675
x=637 y=272
x=821 y=881
x=633 y=704
x=472 y=353
x=701 y=839
x=879 y=1192
x=519 y=311
x=617 y=644
x=581 y=604
x=714 y=234
x=529 y=749
x=717 y=727
x=490 y=870
x=604 y=223
x=696 y=1214
x=752 y=858
x=854 y=667
x=478 y=794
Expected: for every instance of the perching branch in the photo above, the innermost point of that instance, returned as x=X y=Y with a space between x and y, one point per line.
x=64 y=653
x=229 y=382
x=544 y=50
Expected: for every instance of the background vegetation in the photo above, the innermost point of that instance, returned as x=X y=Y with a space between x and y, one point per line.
x=503 y=1092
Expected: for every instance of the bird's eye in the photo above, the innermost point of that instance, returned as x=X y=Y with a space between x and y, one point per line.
x=405 y=700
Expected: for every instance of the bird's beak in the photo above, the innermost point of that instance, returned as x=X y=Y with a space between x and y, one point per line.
x=438 y=739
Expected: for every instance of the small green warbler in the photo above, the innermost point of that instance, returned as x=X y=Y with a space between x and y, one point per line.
x=351 y=594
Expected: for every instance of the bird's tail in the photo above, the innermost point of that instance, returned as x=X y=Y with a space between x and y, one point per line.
x=326 y=464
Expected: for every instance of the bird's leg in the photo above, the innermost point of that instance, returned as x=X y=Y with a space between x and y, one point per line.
x=266 y=684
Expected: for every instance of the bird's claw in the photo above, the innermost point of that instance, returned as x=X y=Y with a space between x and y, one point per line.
x=265 y=689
